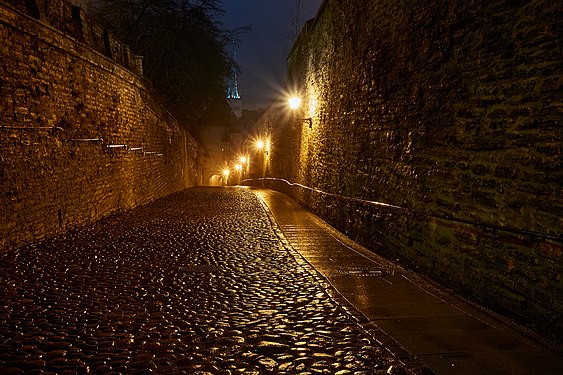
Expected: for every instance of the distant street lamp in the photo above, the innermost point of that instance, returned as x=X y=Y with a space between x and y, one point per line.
x=259 y=144
x=226 y=174
x=244 y=163
x=294 y=104
x=238 y=169
x=255 y=151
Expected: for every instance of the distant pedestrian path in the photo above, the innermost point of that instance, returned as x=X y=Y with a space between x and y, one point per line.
x=197 y=282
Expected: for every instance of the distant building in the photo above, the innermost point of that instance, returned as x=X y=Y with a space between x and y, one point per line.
x=216 y=126
x=224 y=140
x=224 y=130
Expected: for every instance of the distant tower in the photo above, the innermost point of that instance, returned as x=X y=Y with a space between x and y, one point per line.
x=233 y=96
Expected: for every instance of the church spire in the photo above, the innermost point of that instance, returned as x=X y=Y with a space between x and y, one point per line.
x=232 y=89
x=233 y=96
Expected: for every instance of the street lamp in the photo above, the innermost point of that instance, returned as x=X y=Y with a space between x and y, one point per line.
x=294 y=104
x=238 y=169
x=251 y=147
x=244 y=164
x=226 y=174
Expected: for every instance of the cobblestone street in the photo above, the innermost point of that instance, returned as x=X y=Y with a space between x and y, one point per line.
x=197 y=282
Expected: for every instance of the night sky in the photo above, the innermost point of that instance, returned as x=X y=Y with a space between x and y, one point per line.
x=262 y=51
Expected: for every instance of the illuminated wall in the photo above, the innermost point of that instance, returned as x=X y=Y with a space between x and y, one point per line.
x=80 y=138
x=451 y=111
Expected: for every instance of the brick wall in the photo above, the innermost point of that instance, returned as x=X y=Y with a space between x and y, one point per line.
x=451 y=110
x=67 y=106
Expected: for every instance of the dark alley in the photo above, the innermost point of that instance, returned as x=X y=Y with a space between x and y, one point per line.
x=311 y=187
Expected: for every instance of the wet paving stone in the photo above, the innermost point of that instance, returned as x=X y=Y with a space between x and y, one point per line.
x=195 y=283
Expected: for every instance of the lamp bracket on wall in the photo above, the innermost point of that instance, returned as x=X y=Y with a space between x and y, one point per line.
x=308 y=120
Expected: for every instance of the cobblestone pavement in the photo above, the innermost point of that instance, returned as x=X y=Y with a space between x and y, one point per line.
x=197 y=282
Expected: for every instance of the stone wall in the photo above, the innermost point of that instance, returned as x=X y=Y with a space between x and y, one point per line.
x=80 y=137
x=450 y=111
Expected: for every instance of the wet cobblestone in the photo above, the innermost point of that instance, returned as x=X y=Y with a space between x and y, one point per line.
x=195 y=283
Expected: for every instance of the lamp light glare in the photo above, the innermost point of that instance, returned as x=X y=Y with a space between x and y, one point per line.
x=226 y=172
x=259 y=145
x=294 y=102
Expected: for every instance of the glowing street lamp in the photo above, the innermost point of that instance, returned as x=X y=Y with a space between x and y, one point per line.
x=259 y=145
x=294 y=104
x=244 y=163
x=226 y=174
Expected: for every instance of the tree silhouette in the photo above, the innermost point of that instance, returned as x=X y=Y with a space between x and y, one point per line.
x=183 y=44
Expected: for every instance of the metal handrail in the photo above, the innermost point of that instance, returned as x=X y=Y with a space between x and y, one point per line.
x=101 y=140
x=31 y=128
x=415 y=212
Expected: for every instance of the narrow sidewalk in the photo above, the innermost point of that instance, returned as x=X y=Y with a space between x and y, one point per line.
x=447 y=334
